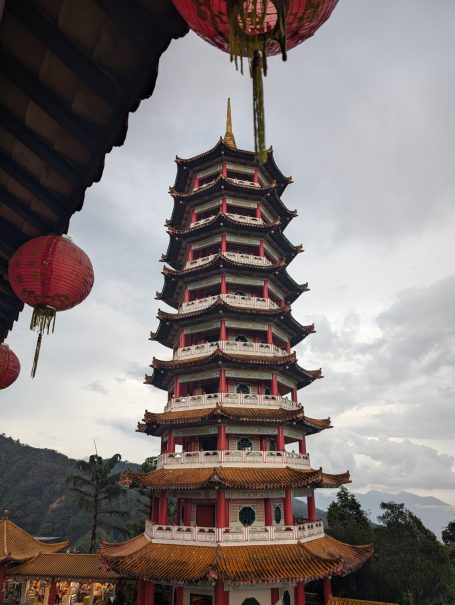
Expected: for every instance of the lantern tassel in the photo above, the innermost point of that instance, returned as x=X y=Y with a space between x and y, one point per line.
x=43 y=319
x=258 y=107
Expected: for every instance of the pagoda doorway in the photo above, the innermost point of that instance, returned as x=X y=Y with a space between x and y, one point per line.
x=205 y=515
x=209 y=443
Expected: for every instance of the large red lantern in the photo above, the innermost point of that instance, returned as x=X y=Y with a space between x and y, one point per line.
x=49 y=273
x=9 y=366
x=255 y=29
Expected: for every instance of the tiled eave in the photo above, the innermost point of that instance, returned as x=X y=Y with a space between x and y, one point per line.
x=65 y=565
x=66 y=93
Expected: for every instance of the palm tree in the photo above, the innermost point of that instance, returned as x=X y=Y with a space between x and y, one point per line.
x=97 y=488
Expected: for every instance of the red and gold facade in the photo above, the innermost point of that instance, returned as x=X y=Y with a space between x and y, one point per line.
x=233 y=433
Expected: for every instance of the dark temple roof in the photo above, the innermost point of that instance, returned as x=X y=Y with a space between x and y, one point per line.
x=65 y=93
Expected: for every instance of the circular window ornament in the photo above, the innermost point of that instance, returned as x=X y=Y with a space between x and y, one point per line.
x=241 y=338
x=245 y=444
x=247 y=515
x=277 y=515
x=242 y=389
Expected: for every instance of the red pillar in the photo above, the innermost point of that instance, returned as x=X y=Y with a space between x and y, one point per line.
x=186 y=295
x=226 y=519
x=274 y=385
x=287 y=505
x=263 y=444
x=220 y=508
x=295 y=396
x=182 y=340
x=190 y=255
x=223 y=335
x=177 y=387
x=219 y=592
x=224 y=205
x=280 y=445
x=326 y=589
x=299 y=593
x=223 y=243
x=187 y=512
x=224 y=169
x=170 y=442
x=179 y=595
x=282 y=303
x=196 y=182
x=223 y=288
x=222 y=385
x=274 y=595
x=311 y=508
x=258 y=210
x=288 y=345
x=268 y=520
x=140 y=592
x=261 y=247
x=221 y=438
x=2 y=583
x=149 y=593
x=270 y=334
x=193 y=216
x=162 y=514
x=302 y=445
x=52 y=592
x=265 y=289
x=256 y=176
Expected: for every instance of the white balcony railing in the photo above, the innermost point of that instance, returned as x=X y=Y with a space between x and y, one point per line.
x=230 y=346
x=240 y=300
x=199 y=261
x=234 y=535
x=232 y=458
x=230 y=399
x=250 y=259
x=249 y=220
x=244 y=182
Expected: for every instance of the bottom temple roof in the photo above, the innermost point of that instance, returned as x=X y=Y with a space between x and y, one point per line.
x=177 y=563
x=65 y=565
x=346 y=601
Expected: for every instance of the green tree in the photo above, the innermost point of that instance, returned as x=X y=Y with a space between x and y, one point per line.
x=410 y=565
x=448 y=534
x=97 y=489
x=143 y=500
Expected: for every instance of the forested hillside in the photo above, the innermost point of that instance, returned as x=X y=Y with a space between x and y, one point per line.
x=33 y=488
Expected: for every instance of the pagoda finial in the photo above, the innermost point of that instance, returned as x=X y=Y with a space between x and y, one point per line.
x=5 y=514
x=229 y=136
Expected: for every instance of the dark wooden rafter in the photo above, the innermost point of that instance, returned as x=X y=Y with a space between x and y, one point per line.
x=21 y=209
x=39 y=146
x=137 y=23
x=78 y=128
x=102 y=83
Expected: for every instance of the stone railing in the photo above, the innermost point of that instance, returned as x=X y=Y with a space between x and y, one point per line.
x=231 y=458
x=244 y=182
x=233 y=535
x=250 y=259
x=232 y=299
x=249 y=220
x=197 y=262
x=230 y=399
x=230 y=346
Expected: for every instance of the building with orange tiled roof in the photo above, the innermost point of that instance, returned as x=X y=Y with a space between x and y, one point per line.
x=233 y=433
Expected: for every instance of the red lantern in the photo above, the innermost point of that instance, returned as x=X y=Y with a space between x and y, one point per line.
x=9 y=366
x=255 y=29
x=49 y=273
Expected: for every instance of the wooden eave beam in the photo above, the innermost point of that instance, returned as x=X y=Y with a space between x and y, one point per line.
x=39 y=146
x=21 y=209
x=78 y=128
x=6 y=292
x=131 y=17
x=102 y=83
x=51 y=199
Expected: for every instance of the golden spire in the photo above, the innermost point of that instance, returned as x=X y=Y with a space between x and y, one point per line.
x=229 y=136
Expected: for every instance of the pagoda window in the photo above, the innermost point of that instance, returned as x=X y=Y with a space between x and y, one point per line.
x=243 y=389
x=247 y=516
x=272 y=445
x=241 y=338
x=286 y=598
x=240 y=293
x=277 y=515
x=245 y=444
x=267 y=390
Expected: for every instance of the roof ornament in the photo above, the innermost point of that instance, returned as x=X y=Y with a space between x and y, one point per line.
x=5 y=514
x=229 y=136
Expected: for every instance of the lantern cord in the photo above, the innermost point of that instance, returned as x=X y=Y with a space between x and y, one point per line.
x=43 y=319
x=258 y=107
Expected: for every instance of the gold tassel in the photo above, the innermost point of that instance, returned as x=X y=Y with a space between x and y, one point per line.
x=43 y=318
x=258 y=107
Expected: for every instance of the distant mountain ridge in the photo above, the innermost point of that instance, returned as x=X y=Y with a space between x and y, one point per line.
x=33 y=488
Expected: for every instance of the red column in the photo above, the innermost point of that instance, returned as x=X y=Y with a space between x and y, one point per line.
x=187 y=512
x=223 y=335
x=52 y=592
x=220 y=508
x=274 y=385
x=190 y=254
x=269 y=334
x=149 y=593
x=282 y=303
x=179 y=595
x=260 y=389
x=311 y=508
x=226 y=519
x=181 y=338
x=261 y=247
x=162 y=514
x=326 y=589
x=224 y=169
x=295 y=396
x=302 y=445
x=280 y=445
x=224 y=205
x=193 y=216
x=170 y=442
x=221 y=439
x=265 y=289
x=140 y=592
x=263 y=444
x=222 y=385
x=219 y=592
x=274 y=595
x=223 y=243
x=223 y=288
x=186 y=295
x=268 y=520
x=287 y=505
x=288 y=345
x=299 y=593
x=256 y=176
x=258 y=210
x=177 y=387
x=196 y=182
x=2 y=583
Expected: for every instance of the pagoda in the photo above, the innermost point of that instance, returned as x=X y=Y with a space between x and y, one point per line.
x=233 y=433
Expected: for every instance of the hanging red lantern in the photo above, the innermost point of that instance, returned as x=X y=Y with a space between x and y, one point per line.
x=9 y=366
x=49 y=273
x=255 y=29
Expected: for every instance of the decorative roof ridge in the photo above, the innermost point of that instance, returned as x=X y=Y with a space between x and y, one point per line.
x=278 y=265
x=225 y=216
x=220 y=354
x=223 y=179
x=220 y=143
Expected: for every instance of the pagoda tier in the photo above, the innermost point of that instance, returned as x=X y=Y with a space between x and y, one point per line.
x=175 y=329
x=235 y=226
x=233 y=454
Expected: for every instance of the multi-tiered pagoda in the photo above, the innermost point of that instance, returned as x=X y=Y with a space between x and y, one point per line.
x=233 y=433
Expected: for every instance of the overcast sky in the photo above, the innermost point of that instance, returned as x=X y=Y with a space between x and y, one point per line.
x=362 y=117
